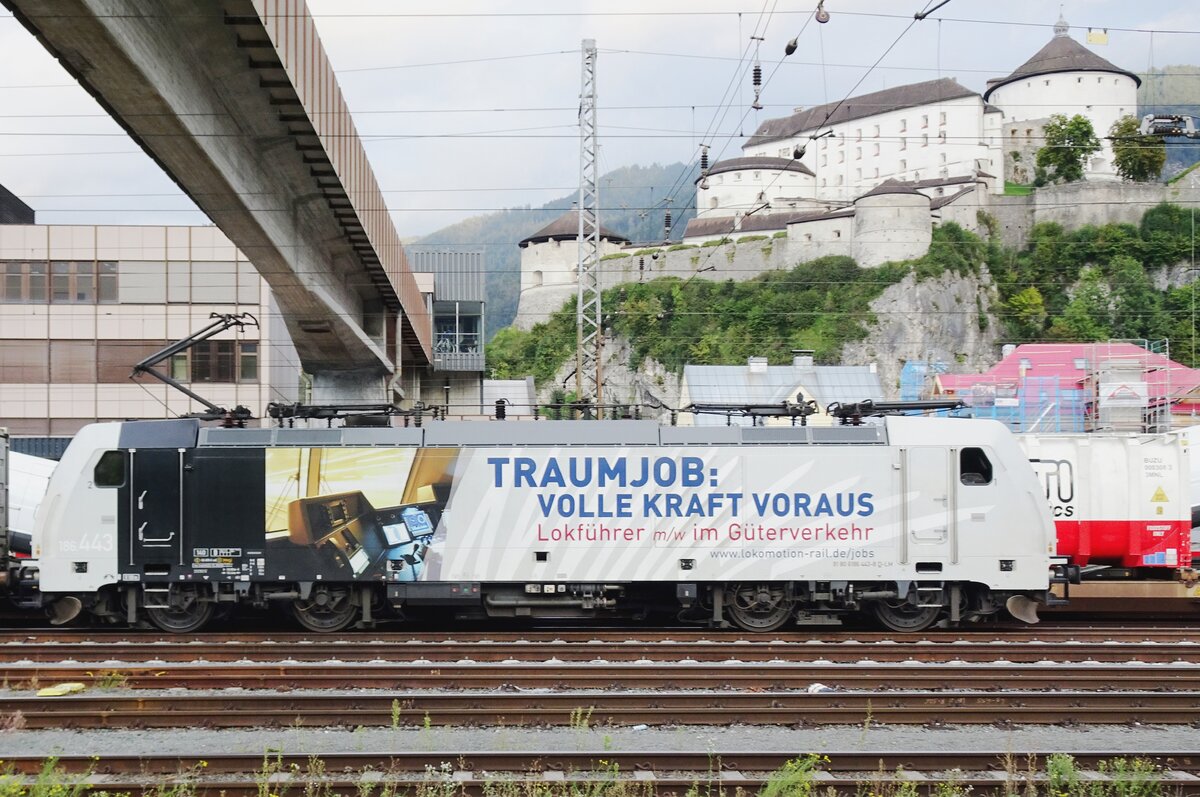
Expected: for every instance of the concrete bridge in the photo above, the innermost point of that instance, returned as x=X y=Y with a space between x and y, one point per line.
x=237 y=101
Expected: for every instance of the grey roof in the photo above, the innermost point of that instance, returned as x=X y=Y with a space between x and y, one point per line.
x=723 y=225
x=1061 y=54
x=566 y=228
x=737 y=384
x=894 y=99
x=758 y=162
x=891 y=187
x=941 y=201
x=13 y=210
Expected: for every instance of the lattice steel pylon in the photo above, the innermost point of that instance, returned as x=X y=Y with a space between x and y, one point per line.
x=588 y=320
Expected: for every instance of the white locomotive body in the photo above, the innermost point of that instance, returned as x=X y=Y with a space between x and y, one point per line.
x=911 y=520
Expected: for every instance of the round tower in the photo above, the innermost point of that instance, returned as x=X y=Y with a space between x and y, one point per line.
x=1063 y=77
x=549 y=267
x=891 y=222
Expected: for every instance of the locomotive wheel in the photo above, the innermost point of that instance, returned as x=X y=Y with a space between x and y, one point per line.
x=758 y=607
x=327 y=609
x=904 y=616
x=185 y=613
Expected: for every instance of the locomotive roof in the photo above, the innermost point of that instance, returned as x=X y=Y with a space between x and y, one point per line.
x=188 y=433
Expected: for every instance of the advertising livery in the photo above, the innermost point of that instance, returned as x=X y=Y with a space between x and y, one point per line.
x=910 y=519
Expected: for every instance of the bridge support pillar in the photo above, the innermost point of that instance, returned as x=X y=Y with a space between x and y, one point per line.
x=363 y=386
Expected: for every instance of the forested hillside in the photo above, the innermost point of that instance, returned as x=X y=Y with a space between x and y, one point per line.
x=633 y=203
x=1091 y=284
x=1173 y=90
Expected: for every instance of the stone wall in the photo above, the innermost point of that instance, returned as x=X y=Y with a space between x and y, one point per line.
x=747 y=255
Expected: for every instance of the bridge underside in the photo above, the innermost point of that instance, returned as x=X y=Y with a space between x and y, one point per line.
x=200 y=85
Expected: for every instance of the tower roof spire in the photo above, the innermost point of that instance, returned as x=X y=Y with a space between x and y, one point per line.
x=1061 y=28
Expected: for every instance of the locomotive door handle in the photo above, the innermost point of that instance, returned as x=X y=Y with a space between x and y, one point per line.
x=153 y=542
x=142 y=503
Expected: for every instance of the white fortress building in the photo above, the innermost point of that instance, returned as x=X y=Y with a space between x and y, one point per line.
x=871 y=177
x=921 y=133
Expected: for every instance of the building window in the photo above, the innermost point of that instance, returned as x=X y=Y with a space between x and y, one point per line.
x=1028 y=134
x=858 y=175
x=924 y=120
x=82 y=282
x=824 y=160
x=858 y=153
x=942 y=118
x=24 y=283
x=903 y=125
x=903 y=165
x=222 y=361
x=455 y=332
x=1081 y=363
x=837 y=233
x=712 y=203
x=876 y=131
x=841 y=157
x=737 y=177
x=941 y=157
x=924 y=139
x=1024 y=364
x=858 y=134
x=839 y=180
x=942 y=136
x=903 y=143
x=876 y=171
x=822 y=182
x=876 y=151
x=1045 y=82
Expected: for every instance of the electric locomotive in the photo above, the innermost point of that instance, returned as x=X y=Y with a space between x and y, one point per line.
x=912 y=521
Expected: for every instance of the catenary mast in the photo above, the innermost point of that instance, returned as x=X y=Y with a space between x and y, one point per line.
x=589 y=334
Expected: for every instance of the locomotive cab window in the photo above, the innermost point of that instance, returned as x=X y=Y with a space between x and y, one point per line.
x=974 y=468
x=110 y=470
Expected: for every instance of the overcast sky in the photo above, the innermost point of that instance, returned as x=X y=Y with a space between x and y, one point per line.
x=468 y=106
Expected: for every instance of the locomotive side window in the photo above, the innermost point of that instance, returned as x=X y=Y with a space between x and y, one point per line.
x=974 y=468
x=110 y=470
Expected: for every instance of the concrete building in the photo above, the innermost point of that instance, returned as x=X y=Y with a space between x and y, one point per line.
x=80 y=304
x=453 y=284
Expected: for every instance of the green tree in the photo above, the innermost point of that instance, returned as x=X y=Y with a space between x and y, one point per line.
x=1088 y=316
x=1137 y=307
x=1027 y=314
x=1069 y=142
x=1137 y=158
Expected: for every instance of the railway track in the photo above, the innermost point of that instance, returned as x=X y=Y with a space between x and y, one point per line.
x=651 y=773
x=557 y=708
x=619 y=676
x=1050 y=632
x=374 y=650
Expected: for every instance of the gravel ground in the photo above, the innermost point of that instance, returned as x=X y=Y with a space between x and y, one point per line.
x=451 y=741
